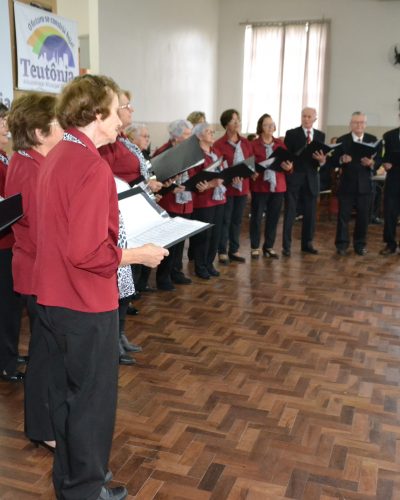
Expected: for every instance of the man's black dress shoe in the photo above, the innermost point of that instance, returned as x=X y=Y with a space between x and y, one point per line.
x=128 y=347
x=22 y=360
x=12 y=377
x=181 y=279
x=236 y=258
x=285 y=252
x=341 y=251
x=310 y=249
x=361 y=251
x=132 y=311
x=118 y=493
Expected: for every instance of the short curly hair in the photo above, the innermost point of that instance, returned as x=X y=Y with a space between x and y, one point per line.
x=83 y=98
x=28 y=113
x=227 y=116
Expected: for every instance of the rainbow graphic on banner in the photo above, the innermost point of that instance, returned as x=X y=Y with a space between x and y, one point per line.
x=48 y=42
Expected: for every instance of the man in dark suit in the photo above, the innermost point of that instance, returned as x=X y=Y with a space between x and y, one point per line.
x=355 y=186
x=391 y=197
x=305 y=179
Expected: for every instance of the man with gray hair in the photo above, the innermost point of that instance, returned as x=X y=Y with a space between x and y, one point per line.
x=355 y=187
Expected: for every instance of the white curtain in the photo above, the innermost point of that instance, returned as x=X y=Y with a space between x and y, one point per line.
x=283 y=72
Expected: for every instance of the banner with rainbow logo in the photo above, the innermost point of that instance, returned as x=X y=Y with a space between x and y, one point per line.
x=47 y=49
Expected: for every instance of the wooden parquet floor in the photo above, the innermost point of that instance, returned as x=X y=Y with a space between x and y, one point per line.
x=279 y=380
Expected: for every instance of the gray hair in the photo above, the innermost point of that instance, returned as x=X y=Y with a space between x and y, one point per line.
x=177 y=127
x=200 y=128
x=134 y=129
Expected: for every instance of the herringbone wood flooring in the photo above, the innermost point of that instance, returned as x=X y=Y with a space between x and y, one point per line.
x=278 y=380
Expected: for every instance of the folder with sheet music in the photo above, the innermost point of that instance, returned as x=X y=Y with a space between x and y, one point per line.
x=10 y=210
x=146 y=222
x=208 y=174
x=359 y=150
x=176 y=160
x=245 y=168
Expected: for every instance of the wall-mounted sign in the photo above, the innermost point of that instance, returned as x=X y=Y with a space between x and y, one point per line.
x=47 y=49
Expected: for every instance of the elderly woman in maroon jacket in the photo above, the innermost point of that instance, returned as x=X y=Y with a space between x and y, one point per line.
x=75 y=279
x=208 y=204
x=267 y=189
x=177 y=203
x=10 y=303
x=35 y=131
x=234 y=149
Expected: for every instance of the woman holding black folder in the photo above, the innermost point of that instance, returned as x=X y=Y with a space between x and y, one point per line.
x=10 y=303
x=267 y=189
x=35 y=131
x=208 y=202
x=234 y=149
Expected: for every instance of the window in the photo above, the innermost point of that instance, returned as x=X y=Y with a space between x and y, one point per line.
x=284 y=67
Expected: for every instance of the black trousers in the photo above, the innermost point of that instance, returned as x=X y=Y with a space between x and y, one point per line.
x=230 y=231
x=205 y=244
x=83 y=397
x=171 y=266
x=38 y=424
x=10 y=314
x=391 y=212
x=361 y=203
x=123 y=305
x=271 y=203
x=309 y=215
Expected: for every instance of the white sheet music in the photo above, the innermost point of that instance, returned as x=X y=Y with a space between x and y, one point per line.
x=167 y=232
x=147 y=223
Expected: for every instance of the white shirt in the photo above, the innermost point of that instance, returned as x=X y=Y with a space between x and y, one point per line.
x=357 y=139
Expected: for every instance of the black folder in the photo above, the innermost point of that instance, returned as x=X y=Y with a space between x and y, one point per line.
x=279 y=155
x=208 y=174
x=10 y=210
x=178 y=159
x=327 y=149
x=165 y=190
x=358 y=150
x=245 y=168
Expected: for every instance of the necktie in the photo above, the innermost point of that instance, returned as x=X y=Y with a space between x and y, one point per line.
x=308 y=136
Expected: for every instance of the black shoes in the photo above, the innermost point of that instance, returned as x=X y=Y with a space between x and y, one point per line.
x=43 y=444
x=166 y=287
x=146 y=289
x=203 y=274
x=223 y=259
x=341 y=251
x=12 y=377
x=286 y=252
x=361 y=251
x=118 y=493
x=236 y=258
x=387 y=251
x=181 y=279
x=132 y=311
x=128 y=347
x=310 y=249
x=22 y=360
x=212 y=271
x=270 y=253
x=124 y=358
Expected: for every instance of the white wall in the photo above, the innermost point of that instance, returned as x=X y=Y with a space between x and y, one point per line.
x=165 y=52
x=360 y=76
x=77 y=10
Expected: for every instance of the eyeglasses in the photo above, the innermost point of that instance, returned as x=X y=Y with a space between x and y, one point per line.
x=126 y=106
